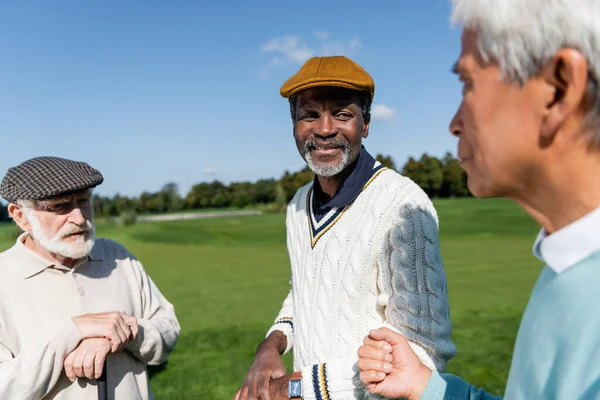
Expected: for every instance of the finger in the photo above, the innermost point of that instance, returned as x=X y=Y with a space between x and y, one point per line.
x=388 y=335
x=377 y=344
x=68 y=365
x=132 y=322
x=236 y=396
x=126 y=331
x=244 y=394
x=117 y=336
x=263 y=389
x=78 y=363
x=125 y=327
x=118 y=327
x=371 y=377
x=99 y=364
x=365 y=364
x=88 y=365
x=374 y=353
x=253 y=391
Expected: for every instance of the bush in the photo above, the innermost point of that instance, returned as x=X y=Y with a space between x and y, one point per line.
x=128 y=218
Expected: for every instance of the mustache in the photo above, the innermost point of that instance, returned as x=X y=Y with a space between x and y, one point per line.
x=312 y=144
x=75 y=229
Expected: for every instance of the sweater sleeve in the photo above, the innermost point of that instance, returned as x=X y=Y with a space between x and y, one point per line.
x=412 y=282
x=285 y=321
x=158 y=326
x=34 y=370
x=450 y=387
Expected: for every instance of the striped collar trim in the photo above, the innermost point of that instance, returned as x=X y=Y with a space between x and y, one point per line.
x=319 y=228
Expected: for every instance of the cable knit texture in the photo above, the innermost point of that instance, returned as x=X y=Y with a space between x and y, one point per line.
x=378 y=264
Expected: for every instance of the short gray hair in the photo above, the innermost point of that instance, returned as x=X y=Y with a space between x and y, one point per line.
x=523 y=35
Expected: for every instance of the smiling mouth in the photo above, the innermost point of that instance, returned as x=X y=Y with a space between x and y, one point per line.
x=325 y=151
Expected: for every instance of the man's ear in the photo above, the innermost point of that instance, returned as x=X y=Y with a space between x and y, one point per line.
x=564 y=79
x=365 y=131
x=17 y=214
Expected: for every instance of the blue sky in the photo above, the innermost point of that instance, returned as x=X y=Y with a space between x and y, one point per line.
x=151 y=92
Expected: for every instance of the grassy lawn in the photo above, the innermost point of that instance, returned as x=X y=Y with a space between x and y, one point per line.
x=227 y=278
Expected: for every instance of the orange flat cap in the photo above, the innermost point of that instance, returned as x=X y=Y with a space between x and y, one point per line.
x=337 y=71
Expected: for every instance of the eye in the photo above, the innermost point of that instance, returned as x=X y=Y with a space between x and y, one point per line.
x=309 y=116
x=343 y=116
x=58 y=207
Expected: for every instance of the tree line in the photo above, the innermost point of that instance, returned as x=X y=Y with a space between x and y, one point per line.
x=438 y=178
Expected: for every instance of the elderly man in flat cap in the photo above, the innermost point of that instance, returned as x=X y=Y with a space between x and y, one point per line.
x=69 y=303
x=363 y=245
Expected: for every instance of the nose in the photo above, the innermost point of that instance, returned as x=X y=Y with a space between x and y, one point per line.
x=456 y=125
x=326 y=126
x=76 y=216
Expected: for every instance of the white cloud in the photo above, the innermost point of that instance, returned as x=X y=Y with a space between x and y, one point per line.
x=291 y=49
x=381 y=112
x=211 y=171
x=322 y=35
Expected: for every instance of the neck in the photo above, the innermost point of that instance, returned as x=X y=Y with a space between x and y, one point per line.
x=566 y=191
x=330 y=185
x=34 y=246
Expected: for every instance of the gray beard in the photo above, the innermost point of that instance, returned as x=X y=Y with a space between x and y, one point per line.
x=328 y=170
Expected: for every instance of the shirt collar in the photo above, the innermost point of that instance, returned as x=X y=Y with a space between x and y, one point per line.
x=34 y=263
x=570 y=245
x=351 y=187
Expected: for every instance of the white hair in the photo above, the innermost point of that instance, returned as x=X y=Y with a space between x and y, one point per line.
x=523 y=35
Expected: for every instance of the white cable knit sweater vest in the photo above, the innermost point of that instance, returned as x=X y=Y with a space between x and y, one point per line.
x=375 y=263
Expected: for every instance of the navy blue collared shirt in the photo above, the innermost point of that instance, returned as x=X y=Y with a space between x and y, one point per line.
x=362 y=170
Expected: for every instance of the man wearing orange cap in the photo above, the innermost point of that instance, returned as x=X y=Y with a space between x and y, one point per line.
x=363 y=245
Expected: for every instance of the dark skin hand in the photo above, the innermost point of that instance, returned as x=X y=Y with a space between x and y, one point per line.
x=266 y=370
x=279 y=388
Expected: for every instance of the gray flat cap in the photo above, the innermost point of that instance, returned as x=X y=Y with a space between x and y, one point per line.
x=44 y=177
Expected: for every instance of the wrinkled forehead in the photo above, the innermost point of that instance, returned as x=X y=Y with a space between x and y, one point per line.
x=328 y=96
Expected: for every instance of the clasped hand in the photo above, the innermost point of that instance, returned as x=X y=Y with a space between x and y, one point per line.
x=104 y=333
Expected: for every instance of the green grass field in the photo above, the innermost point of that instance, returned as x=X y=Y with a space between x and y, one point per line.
x=227 y=278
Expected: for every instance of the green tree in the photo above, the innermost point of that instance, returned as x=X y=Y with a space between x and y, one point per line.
x=432 y=175
x=280 y=196
x=169 y=198
x=455 y=178
x=292 y=182
x=412 y=170
x=4 y=213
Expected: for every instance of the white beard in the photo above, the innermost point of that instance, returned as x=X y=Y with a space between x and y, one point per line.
x=73 y=249
x=328 y=171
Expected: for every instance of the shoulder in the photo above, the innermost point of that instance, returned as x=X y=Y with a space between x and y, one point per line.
x=7 y=259
x=107 y=248
x=403 y=194
x=299 y=199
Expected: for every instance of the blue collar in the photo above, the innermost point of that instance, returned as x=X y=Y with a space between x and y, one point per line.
x=362 y=170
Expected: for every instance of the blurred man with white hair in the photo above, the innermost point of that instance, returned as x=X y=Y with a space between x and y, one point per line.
x=70 y=303
x=529 y=130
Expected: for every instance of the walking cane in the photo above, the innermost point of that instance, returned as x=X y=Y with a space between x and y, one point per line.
x=102 y=392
